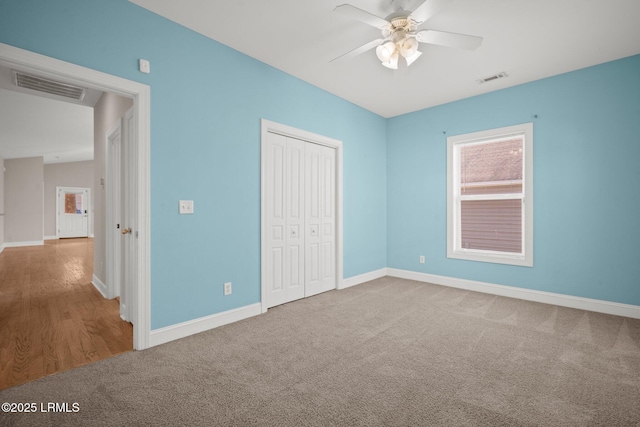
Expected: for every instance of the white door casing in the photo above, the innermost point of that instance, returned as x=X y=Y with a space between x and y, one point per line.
x=301 y=232
x=73 y=207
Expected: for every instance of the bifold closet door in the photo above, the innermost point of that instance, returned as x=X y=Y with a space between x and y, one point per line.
x=285 y=219
x=300 y=209
x=320 y=219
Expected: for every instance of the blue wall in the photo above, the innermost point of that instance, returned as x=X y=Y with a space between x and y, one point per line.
x=206 y=104
x=586 y=182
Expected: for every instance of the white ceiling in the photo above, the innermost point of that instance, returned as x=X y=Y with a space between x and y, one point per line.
x=35 y=124
x=527 y=39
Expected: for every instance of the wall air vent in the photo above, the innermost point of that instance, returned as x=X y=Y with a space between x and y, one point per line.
x=48 y=86
x=492 y=78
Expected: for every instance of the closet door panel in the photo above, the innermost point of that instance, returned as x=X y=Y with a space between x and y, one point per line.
x=275 y=207
x=328 y=219
x=313 y=204
x=294 y=217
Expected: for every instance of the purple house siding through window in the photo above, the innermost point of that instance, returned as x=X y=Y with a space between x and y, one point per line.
x=491 y=168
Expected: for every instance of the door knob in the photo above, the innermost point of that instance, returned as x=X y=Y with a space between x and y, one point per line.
x=126 y=230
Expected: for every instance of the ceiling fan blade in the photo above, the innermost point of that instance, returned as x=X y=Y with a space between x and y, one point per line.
x=442 y=38
x=357 y=51
x=353 y=12
x=427 y=9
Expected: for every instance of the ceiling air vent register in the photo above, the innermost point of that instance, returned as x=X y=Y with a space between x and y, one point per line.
x=492 y=78
x=52 y=87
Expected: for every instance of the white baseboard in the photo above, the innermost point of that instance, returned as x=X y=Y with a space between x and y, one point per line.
x=600 y=306
x=191 y=327
x=51 y=237
x=21 y=244
x=1 y=248
x=101 y=287
x=362 y=278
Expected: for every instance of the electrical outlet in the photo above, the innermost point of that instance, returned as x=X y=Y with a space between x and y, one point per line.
x=421 y=259
x=227 y=288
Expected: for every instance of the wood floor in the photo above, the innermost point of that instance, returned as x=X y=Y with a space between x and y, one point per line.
x=51 y=317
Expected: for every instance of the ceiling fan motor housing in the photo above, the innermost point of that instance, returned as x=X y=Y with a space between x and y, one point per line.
x=399 y=26
x=400 y=22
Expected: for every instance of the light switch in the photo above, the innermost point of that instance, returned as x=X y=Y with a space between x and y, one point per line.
x=186 y=207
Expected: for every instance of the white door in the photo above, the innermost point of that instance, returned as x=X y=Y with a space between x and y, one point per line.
x=285 y=207
x=300 y=223
x=129 y=230
x=72 y=206
x=320 y=219
x=122 y=235
x=114 y=211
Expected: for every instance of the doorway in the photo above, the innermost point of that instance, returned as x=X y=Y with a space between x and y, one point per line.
x=140 y=270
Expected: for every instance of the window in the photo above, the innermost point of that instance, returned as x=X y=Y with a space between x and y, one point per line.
x=73 y=203
x=490 y=197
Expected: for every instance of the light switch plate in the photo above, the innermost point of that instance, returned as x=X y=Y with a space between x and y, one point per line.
x=186 y=207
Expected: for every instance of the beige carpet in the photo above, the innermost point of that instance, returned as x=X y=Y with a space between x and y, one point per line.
x=390 y=352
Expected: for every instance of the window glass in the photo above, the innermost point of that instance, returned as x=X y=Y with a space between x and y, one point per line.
x=73 y=203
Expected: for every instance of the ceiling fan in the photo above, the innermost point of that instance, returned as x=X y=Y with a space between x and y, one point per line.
x=400 y=34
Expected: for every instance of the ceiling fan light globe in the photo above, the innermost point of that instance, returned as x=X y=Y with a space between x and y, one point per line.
x=385 y=51
x=408 y=47
x=392 y=63
x=382 y=53
x=410 y=59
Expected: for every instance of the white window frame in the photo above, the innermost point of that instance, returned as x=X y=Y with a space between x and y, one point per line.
x=454 y=249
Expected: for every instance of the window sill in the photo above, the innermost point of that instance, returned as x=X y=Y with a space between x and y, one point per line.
x=495 y=258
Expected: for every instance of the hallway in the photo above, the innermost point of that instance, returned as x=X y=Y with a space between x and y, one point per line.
x=51 y=317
